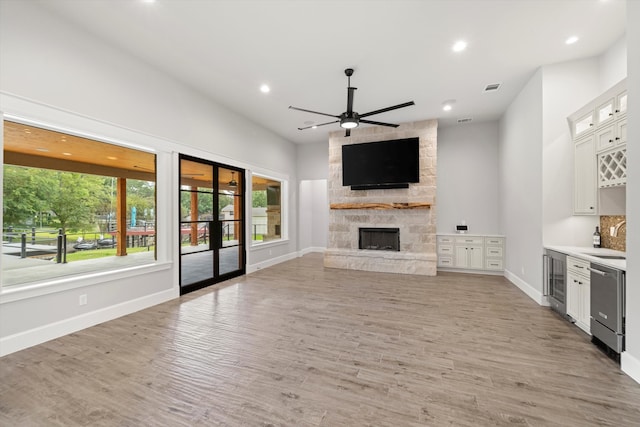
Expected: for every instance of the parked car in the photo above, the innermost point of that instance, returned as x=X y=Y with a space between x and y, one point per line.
x=83 y=246
x=107 y=243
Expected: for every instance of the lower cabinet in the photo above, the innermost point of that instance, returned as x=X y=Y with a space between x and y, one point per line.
x=470 y=252
x=579 y=293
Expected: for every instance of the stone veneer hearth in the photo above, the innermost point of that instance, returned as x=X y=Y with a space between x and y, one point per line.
x=417 y=253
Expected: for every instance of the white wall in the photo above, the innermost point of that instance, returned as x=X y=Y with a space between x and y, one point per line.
x=520 y=186
x=631 y=358
x=566 y=87
x=313 y=160
x=313 y=209
x=55 y=74
x=468 y=178
x=612 y=65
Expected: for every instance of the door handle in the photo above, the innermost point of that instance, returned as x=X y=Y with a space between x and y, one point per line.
x=594 y=270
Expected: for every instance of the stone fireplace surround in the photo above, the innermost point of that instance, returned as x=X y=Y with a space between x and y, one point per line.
x=412 y=210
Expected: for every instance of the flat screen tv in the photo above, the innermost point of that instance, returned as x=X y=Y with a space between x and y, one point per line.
x=386 y=164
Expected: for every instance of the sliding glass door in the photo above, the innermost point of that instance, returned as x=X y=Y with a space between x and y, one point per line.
x=212 y=244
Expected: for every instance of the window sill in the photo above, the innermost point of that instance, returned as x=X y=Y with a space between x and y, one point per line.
x=270 y=244
x=65 y=283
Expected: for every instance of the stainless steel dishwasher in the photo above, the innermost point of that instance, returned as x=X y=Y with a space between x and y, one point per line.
x=608 y=306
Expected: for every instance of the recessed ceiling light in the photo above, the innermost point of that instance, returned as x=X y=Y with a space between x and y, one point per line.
x=314 y=127
x=43 y=150
x=448 y=104
x=112 y=158
x=66 y=154
x=459 y=46
x=148 y=1
x=572 y=40
x=265 y=89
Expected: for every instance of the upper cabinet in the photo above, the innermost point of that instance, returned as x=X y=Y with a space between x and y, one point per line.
x=599 y=131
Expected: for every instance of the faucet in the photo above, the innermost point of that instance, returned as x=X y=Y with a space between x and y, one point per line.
x=615 y=228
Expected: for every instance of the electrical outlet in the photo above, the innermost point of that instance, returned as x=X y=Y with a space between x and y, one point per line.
x=83 y=299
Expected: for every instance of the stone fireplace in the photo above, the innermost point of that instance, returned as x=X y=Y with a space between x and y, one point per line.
x=410 y=211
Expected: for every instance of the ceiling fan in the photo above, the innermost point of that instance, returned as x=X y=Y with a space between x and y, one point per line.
x=351 y=119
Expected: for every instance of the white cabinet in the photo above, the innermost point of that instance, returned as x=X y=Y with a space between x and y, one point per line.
x=468 y=256
x=494 y=253
x=583 y=125
x=600 y=156
x=471 y=252
x=579 y=292
x=445 y=251
x=611 y=136
x=585 y=190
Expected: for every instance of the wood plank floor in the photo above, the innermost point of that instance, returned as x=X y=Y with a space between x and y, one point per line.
x=300 y=345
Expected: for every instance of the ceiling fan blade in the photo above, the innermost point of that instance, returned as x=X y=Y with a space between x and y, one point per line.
x=371 y=122
x=350 y=92
x=395 y=107
x=314 y=112
x=321 y=124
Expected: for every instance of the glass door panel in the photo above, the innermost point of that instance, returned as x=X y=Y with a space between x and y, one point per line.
x=211 y=223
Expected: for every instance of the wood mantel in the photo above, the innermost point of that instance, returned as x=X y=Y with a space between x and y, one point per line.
x=380 y=205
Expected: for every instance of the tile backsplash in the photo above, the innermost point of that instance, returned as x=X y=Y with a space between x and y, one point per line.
x=618 y=243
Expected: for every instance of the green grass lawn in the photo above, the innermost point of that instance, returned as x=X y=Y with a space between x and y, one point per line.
x=101 y=253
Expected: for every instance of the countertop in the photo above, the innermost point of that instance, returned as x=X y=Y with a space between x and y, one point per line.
x=586 y=252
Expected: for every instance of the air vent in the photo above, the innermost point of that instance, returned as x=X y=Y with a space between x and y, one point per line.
x=492 y=87
x=465 y=120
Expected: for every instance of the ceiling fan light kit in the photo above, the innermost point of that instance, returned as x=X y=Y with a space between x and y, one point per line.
x=351 y=119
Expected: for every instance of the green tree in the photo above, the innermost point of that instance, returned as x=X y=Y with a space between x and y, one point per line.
x=74 y=199
x=259 y=199
x=23 y=196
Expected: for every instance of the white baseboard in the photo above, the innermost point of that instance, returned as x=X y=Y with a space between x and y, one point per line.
x=270 y=262
x=630 y=365
x=22 y=340
x=532 y=292
x=311 y=249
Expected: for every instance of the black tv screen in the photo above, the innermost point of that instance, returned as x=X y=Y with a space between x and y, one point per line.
x=386 y=164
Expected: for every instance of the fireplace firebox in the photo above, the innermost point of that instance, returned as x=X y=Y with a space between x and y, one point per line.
x=380 y=239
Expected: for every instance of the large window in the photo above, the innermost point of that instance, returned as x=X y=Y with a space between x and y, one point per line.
x=72 y=205
x=266 y=215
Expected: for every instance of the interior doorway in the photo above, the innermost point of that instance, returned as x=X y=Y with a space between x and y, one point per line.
x=212 y=241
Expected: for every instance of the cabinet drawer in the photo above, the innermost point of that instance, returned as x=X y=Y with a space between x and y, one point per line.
x=445 y=250
x=469 y=240
x=493 y=264
x=445 y=239
x=494 y=251
x=445 y=261
x=578 y=266
x=494 y=241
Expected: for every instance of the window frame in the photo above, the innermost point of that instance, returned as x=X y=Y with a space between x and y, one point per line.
x=284 y=210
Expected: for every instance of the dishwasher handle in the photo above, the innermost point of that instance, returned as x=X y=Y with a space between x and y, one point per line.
x=595 y=270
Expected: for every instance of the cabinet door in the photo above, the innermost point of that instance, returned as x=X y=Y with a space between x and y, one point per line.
x=585 y=306
x=476 y=260
x=604 y=113
x=573 y=296
x=583 y=125
x=584 y=178
x=605 y=138
x=621 y=104
x=461 y=259
x=621 y=132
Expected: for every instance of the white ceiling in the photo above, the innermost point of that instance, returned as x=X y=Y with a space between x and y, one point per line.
x=400 y=50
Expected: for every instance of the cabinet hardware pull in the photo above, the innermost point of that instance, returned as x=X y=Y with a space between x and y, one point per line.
x=617 y=138
x=611 y=140
x=593 y=270
x=617 y=111
x=610 y=114
x=590 y=124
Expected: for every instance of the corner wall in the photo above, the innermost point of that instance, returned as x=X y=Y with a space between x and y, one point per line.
x=631 y=357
